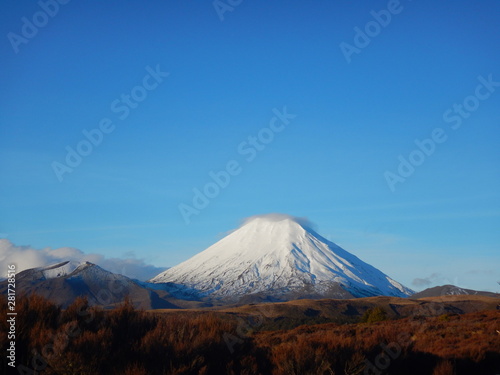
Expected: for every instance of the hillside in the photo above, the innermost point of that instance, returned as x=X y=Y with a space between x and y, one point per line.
x=291 y=314
x=447 y=290
x=213 y=343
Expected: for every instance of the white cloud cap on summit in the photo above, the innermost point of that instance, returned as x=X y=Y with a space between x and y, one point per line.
x=274 y=217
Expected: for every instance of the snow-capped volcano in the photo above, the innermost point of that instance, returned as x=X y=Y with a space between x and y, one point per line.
x=282 y=257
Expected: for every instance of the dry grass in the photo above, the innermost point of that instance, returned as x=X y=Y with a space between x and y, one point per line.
x=83 y=340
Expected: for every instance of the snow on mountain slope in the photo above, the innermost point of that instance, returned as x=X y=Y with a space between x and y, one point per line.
x=276 y=254
x=59 y=269
x=452 y=290
x=63 y=282
x=50 y=272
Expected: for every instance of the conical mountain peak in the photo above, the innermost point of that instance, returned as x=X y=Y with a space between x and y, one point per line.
x=278 y=255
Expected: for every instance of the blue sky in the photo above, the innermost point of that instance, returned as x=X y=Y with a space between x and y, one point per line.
x=355 y=115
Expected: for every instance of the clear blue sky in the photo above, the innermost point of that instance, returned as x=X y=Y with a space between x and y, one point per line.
x=353 y=120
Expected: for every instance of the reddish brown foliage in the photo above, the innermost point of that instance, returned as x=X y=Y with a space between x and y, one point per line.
x=85 y=340
x=412 y=346
x=443 y=368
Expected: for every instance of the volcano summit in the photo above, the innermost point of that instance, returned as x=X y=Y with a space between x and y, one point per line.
x=277 y=257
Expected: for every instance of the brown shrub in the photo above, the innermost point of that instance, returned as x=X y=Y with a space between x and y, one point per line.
x=85 y=340
x=443 y=368
x=135 y=369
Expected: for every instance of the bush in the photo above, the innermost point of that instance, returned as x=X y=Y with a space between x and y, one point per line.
x=86 y=341
x=443 y=368
x=373 y=315
x=444 y=318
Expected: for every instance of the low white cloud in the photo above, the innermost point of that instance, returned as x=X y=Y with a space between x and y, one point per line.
x=425 y=282
x=418 y=282
x=25 y=257
x=279 y=217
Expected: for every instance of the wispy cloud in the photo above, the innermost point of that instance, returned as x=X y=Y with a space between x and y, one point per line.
x=426 y=281
x=25 y=257
x=279 y=217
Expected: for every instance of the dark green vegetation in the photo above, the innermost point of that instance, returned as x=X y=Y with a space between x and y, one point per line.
x=376 y=314
x=88 y=340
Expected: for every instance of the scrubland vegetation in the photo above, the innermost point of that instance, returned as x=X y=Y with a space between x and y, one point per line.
x=87 y=340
